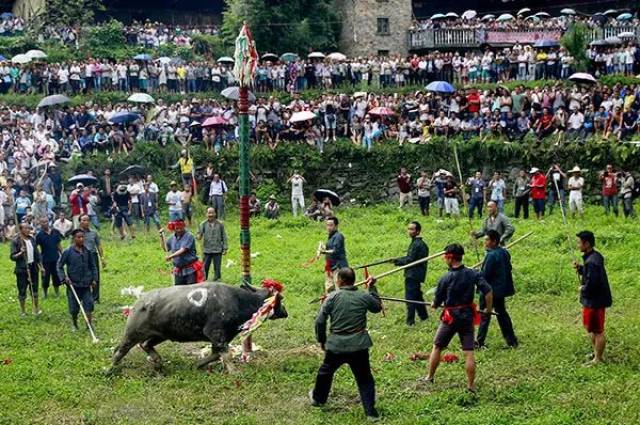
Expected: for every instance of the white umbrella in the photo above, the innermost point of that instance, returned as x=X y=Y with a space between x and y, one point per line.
x=438 y=16
x=225 y=59
x=36 y=54
x=164 y=60
x=505 y=17
x=610 y=12
x=532 y=18
x=302 y=116
x=233 y=93
x=542 y=15
x=523 y=11
x=22 y=58
x=583 y=77
x=360 y=94
x=316 y=55
x=568 y=11
x=336 y=56
x=54 y=99
x=487 y=17
x=141 y=98
x=452 y=15
x=469 y=14
x=613 y=40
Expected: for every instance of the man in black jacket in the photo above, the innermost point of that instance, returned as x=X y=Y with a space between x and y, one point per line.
x=25 y=254
x=496 y=270
x=595 y=293
x=414 y=276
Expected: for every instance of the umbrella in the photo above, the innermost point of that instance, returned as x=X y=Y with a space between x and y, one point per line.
x=141 y=98
x=214 y=121
x=270 y=57
x=532 y=18
x=85 y=179
x=610 y=12
x=336 y=56
x=505 y=17
x=523 y=11
x=469 y=14
x=2 y=58
x=542 y=15
x=6 y=15
x=316 y=55
x=302 y=116
x=624 y=16
x=321 y=194
x=568 y=11
x=546 y=43
x=440 y=87
x=36 y=54
x=452 y=15
x=382 y=111
x=598 y=43
x=22 y=58
x=613 y=40
x=437 y=16
x=583 y=77
x=233 y=93
x=487 y=17
x=143 y=57
x=289 y=57
x=626 y=34
x=54 y=99
x=225 y=59
x=164 y=60
x=124 y=118
x=133 y=170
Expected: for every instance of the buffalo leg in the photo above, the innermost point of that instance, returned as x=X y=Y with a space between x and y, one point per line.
x=122 y=350
x=218 y=346
x=148 y=347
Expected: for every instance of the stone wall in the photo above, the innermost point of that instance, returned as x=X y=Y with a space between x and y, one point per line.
x=27 y=9
x=360 y=36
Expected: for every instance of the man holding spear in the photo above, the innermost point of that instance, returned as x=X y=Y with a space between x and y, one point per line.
x=414 y=276
x=25 y=254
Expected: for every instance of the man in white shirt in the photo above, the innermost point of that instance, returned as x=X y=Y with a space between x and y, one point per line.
x=217 y=190
x=63 y=224
x=575 y=123
x=576 y=183
x=153 y=187
x=174 y=199
x=297 y=194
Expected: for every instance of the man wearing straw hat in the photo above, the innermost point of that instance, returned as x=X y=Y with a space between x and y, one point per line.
x=576 y=183
x=80 y=277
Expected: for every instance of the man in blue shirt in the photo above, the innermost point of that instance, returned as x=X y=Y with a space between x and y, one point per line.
x=48 y=240
x=478 y=187
x=335 y=252
x=182 y=252
x=81 y=273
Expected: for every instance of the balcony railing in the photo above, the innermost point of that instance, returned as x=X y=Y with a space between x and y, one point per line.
x=469 y=38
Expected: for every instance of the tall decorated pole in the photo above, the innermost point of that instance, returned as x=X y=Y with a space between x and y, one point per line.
x=246 y=58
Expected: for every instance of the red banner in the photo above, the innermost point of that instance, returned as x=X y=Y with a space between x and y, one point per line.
x=522 y=37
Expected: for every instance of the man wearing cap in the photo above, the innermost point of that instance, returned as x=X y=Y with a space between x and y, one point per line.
x=538 y=191
x=78 y=203
x=174 y=200
x=271 y=208
x=80 y=272
x=576 y=183
x=122 y=211
x=214 y=243
x=495 y=221
x=455 y=292
x=182 y=252
x=595 y=293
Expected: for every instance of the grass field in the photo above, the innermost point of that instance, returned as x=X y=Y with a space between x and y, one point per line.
x=58 y=377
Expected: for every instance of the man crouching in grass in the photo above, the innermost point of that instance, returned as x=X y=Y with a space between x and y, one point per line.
x=595 y=293
x=348 y=341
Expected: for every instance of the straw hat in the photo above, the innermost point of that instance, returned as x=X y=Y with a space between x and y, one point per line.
x=575 y=169
x=534 y=170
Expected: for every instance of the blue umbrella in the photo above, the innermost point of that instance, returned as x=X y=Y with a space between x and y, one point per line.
x=124 y=118
x=6 y=15
x=546 y=43
x=143 y=57
x=2 y=58
x=624 y=17
x=440 y=87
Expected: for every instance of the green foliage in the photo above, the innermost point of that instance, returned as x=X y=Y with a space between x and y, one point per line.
x=75 y=13
x=575 y=41
x=10 y=46
x=106 y=41
x=210 y=46
x=283 y=26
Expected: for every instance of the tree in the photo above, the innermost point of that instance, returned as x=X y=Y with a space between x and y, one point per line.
x=575 y=41
x=284 y=25
x=73 y=13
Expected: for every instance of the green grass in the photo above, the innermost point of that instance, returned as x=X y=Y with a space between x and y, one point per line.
x=58 y=377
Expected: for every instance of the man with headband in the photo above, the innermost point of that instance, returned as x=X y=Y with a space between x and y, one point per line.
x=182 y=252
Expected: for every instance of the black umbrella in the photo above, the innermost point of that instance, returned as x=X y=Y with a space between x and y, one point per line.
x=133 y=170
x=320 y=194
x=85 y=179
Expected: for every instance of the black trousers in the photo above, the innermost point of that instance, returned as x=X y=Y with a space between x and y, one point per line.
x=413 y=292
x=217 y=262
x=188 y=279
x=49 y=273
x=504 y=321
x=358 y=361
x=522 y=203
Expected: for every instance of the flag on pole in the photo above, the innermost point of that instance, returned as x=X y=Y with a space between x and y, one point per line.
x=246 y=58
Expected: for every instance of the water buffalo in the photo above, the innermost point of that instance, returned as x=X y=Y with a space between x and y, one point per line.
x=203 y=312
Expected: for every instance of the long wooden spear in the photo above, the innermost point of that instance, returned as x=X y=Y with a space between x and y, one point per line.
x=520 y=239
x=427 y=303
x=375 y=263
x=464 y=202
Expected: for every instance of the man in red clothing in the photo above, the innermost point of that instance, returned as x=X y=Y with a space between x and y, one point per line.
x=473 y=102
x=78 y=201
x=538 y=191
x=609 y=181
x=404 y=184
x=545 y=124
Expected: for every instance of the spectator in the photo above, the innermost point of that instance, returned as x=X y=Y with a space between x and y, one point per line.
x=272 y=209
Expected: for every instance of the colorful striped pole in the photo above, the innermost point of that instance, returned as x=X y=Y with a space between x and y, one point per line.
x=245 y=235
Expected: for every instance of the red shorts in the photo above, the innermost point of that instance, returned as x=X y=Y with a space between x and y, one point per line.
x=593 y=319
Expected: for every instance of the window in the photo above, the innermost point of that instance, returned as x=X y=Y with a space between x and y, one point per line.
x=383 y=26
